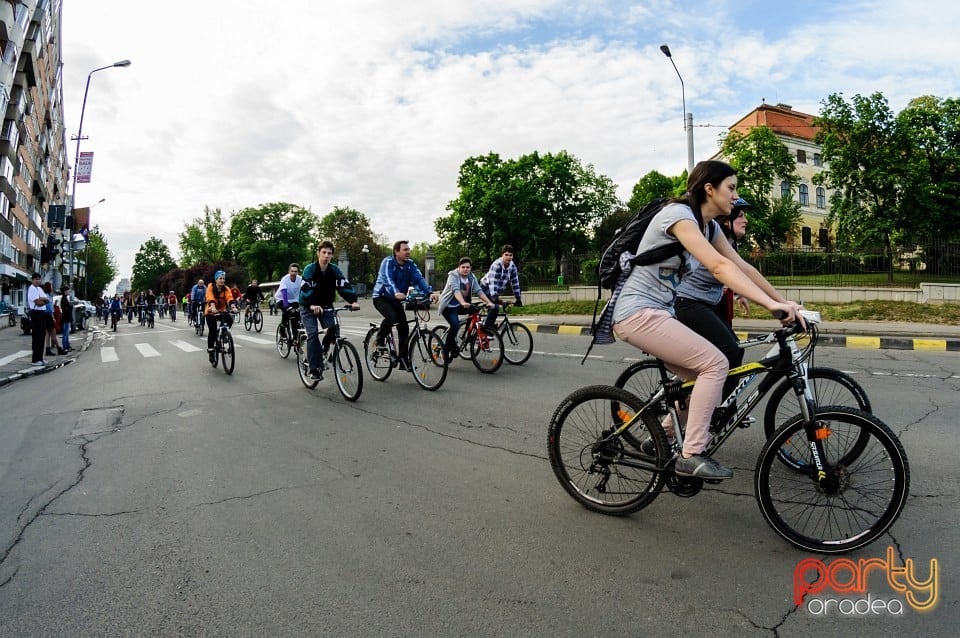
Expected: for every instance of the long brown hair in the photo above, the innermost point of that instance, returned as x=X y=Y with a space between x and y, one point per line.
x=711 y=172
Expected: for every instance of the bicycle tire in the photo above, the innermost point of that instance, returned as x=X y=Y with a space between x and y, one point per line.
x=517 y=343
x=227 y=352
x=857 y=501
x=199 y=321
x=438 y=345
x=379 y=365
x=830 y=387
x=303 y=363
x=422 y=360
x=258 y=320
x=283 y=342
x=486 y=350
x=247 y=321
x=585 y=459
x=348 y=370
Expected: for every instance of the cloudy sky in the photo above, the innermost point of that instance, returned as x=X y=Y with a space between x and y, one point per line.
x=374 y=104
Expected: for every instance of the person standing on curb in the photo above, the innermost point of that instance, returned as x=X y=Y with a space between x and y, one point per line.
x=66 y=318
x=37 y=307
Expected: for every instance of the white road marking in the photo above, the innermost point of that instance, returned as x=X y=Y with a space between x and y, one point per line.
x=242 y=337
x=146 y=350
x=186 y=347
x=108 y=354
x=13 y=357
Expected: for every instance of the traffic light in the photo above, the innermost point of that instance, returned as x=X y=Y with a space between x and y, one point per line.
x=49 y=252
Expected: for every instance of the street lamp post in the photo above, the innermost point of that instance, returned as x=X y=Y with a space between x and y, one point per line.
x=76 y=157
x=366 y=266
x=687 y=117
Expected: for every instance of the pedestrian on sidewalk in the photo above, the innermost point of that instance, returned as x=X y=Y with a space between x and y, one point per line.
x=37 y=307
x=66 y=318
x=53 y=347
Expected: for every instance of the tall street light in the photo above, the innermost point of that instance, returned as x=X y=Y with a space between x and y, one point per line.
x=76 y=157
x=687 y=117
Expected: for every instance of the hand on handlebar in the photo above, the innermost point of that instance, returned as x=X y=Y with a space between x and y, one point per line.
x=788 y=313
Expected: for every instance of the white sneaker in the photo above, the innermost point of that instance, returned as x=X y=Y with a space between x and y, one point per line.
x=39 y=364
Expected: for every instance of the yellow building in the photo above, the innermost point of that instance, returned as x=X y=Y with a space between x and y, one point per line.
x=797 y=132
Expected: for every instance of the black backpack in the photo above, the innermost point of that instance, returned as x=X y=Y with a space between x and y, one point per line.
x=627 y=239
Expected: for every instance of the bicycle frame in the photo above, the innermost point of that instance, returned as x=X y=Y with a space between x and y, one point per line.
x=784 y=361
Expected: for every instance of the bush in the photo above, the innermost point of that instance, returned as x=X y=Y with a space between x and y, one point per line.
x=588 y=271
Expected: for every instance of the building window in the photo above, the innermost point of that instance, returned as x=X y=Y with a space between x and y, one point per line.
x=784 y=190
x=806 y=236
x=816 y=160
x=821 y=197
x=801 y=157
x=824 y=238
x=804 y=195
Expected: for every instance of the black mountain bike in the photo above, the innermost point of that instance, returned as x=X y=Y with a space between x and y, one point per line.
x=253 y=318
x=427 y=362
x=223 y=348
x=516 y=337
x=830 y=480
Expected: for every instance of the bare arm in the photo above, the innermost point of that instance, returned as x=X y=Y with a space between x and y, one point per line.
x=726 y=271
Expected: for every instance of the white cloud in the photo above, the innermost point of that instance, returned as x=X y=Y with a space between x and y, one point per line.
x=375 y=104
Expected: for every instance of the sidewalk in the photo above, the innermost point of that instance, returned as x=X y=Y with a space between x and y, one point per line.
x=15 y=346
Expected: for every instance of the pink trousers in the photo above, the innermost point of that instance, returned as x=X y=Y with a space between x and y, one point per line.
x=689 y=356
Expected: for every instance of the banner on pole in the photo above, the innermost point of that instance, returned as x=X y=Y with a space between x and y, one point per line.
x=84 y=167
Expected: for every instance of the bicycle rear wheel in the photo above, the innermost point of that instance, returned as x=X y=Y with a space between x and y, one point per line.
x=303 y=363
x=258 y=320
x=283 y=341
x=423 y=361
x=517 y=343
x=592 y=464
x=227 y=352
x=857 y=500
x=486 y=350
x=378 y=363
x=346 y=365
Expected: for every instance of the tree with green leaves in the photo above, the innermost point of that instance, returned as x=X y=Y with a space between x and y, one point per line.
x=350 y=231
x=151 y=262
x=762 y=161
x=651 y=186
x=896 y=176
x=204 y=239
x=100 y=263
x=543 y=205
x=265 y=240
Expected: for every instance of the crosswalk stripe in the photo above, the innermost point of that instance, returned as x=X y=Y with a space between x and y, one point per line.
x=265 y=342
x=146 y=350
x=186 y=347
x=13 y=357
x=108 y=354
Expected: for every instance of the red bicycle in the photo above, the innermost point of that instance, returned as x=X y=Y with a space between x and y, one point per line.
x=484 y=345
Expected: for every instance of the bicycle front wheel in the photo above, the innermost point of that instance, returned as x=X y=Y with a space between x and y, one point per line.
x=517 y=343
x=592 y=463
x=258 y=320
x=438 y=347
x=227 y=352
x=423 y=361
x=829 y=387
x=283 y=341
x=486 y=350
x=854 y=502
x=346 y=365
x=378 y=363
x=303 y=363
x=247 y=321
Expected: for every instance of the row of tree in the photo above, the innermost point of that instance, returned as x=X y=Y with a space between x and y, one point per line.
x=895 y=178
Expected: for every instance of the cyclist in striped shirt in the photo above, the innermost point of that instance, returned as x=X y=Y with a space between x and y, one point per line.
x=502 y=271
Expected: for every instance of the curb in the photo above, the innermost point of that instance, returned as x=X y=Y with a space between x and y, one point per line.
x=839 y=341
x=32 y=372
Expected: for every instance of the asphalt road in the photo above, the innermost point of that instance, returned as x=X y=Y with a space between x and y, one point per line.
x=144 y=493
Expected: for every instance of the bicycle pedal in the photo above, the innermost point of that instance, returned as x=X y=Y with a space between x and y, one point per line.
x=712 y=481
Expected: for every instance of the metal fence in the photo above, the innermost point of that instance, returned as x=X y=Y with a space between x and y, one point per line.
x=933 y=262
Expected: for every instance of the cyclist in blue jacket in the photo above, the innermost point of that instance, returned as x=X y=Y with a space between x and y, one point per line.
x=397 y=275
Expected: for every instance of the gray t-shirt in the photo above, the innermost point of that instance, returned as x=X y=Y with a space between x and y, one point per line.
x=655 y=286
x=699 y=283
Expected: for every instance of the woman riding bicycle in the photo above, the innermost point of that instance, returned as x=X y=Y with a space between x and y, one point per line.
x=644 y=313
x=218 y=299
